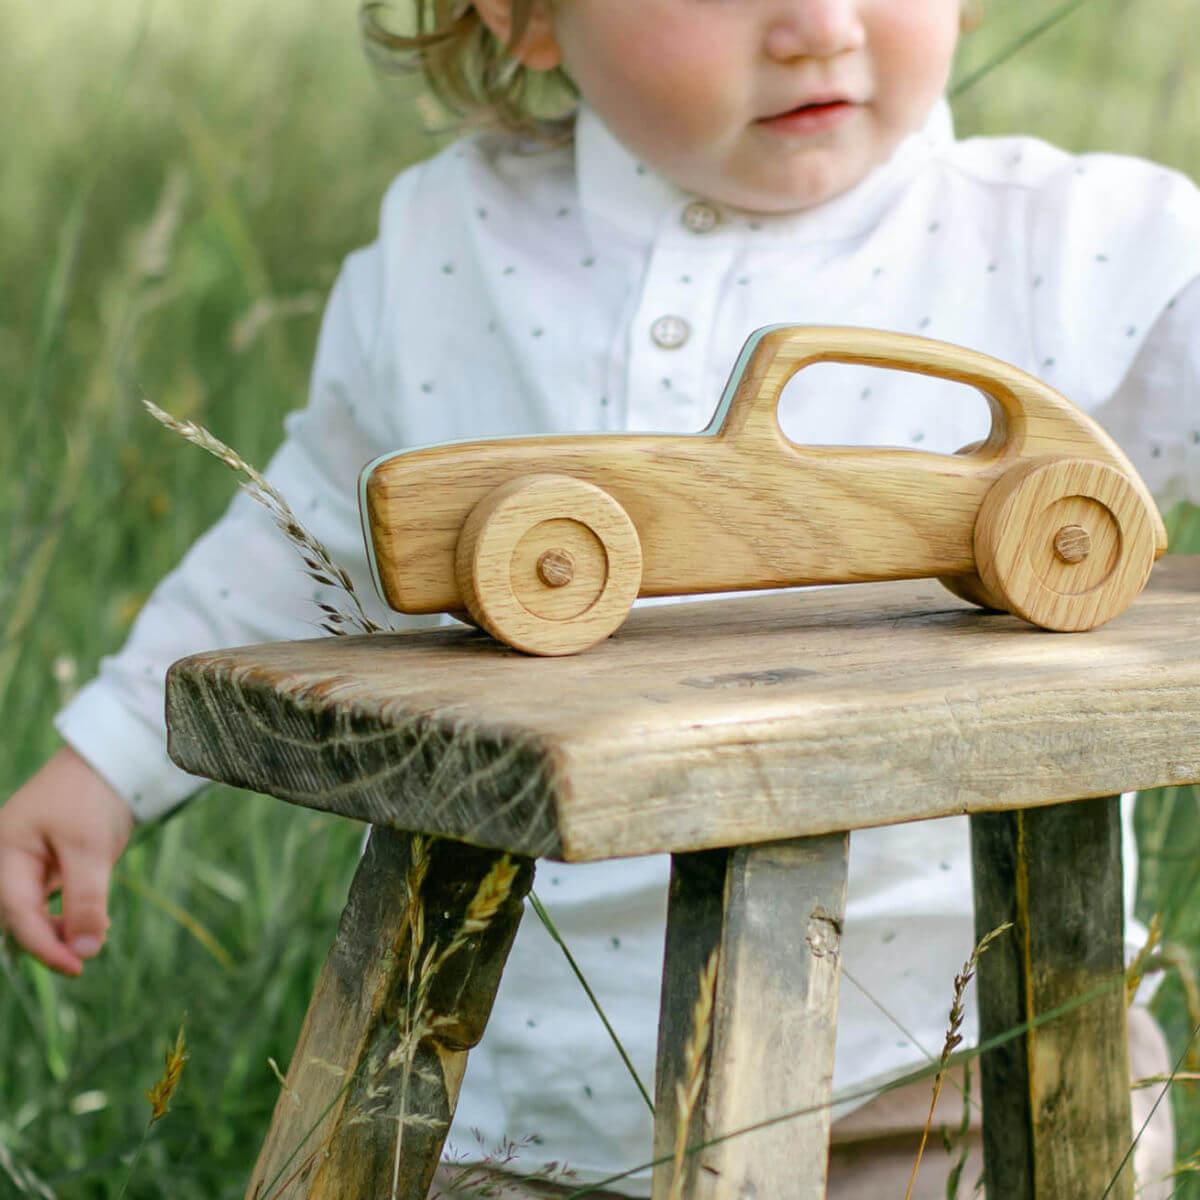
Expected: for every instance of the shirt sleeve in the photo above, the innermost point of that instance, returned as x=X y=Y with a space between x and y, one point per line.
x=1154 y=413
x=243 y=582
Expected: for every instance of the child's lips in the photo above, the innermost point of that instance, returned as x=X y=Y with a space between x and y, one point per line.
x=810 y=117
x=816 y=100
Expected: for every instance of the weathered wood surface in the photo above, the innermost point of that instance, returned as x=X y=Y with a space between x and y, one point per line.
x=1056 y=1101
x=710 y=724
x=405 y=992
x=772 y=915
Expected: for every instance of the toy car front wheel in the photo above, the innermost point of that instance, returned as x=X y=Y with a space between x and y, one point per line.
x=549 y=564
x=1065 y=543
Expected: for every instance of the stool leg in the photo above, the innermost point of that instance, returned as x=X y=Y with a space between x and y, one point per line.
x=1056 y=1117
x=405 y=991
x=773 y=915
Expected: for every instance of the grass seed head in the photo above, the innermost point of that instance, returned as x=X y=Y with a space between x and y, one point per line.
x=493 y=890
x=160 y=1094
x=316 y=557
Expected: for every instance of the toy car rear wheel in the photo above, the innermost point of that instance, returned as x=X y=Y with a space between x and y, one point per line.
x=549 y=564
x=1066 y=543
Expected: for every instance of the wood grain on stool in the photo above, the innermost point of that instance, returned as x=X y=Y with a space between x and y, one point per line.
x=709 y=724
x=773 y=916
x=367 y=1065
x=1056 y=1100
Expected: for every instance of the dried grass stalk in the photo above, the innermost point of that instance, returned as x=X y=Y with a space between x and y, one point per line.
x=491 y=1176
x=1137 y=968
x=953 y=1039
x=958 y=1139
x=1175 y=1077
x=417 y=1022
x=317 y=560
x=1171 y=956
x=160 y=1094
x=695 y=1062
x=289 y=1092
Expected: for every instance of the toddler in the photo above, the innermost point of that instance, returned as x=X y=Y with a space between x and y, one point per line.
x=730 y=164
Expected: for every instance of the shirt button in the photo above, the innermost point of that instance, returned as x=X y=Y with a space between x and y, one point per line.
x=700 y=217
x=669 y=333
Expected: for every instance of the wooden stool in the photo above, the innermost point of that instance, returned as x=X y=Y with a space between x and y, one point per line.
x=745 y=737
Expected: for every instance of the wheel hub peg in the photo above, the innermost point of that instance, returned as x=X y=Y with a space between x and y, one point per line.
x=556 y=567
x=1072 y=543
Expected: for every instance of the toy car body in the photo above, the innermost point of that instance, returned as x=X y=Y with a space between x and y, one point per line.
x=546 y=541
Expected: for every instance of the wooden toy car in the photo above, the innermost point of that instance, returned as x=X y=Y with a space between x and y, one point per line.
x=545 y=542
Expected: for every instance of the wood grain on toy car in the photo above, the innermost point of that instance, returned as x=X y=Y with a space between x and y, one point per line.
x=743 y=507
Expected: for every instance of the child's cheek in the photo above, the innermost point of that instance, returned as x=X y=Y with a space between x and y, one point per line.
x=913 y=48
x=677 y=80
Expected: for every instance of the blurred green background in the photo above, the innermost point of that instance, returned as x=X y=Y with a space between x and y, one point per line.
x=180 y=184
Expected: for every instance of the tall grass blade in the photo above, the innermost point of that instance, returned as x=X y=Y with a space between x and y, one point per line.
x=1153 y=1109
x=1015 y=47
x=867 y=1093
x=552 y=930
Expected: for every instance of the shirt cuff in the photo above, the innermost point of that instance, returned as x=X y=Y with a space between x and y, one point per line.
x=123 y=749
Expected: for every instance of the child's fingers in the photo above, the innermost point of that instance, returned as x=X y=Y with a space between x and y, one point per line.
x=23 y=910
x=85 y=875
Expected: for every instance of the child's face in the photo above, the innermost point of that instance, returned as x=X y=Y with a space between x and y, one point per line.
x=685 y=85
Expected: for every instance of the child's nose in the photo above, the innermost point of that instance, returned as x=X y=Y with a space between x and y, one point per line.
x=815 y=29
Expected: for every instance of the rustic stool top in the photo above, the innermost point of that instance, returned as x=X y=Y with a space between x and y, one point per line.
x=717 y=723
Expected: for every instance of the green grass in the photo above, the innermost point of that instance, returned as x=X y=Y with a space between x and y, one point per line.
x=260 y=139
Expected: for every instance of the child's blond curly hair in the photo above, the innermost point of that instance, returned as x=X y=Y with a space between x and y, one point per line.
x=473 y=74
x=468 y=68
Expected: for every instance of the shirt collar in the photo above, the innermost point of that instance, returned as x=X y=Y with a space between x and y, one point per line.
x=615 y=187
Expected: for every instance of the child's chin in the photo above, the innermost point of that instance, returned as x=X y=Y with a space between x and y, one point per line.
x=779 y=197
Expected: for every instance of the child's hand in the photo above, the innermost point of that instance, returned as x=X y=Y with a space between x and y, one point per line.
x=63 y=829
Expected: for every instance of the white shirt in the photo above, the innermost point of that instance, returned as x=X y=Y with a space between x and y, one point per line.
x=516 y=293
